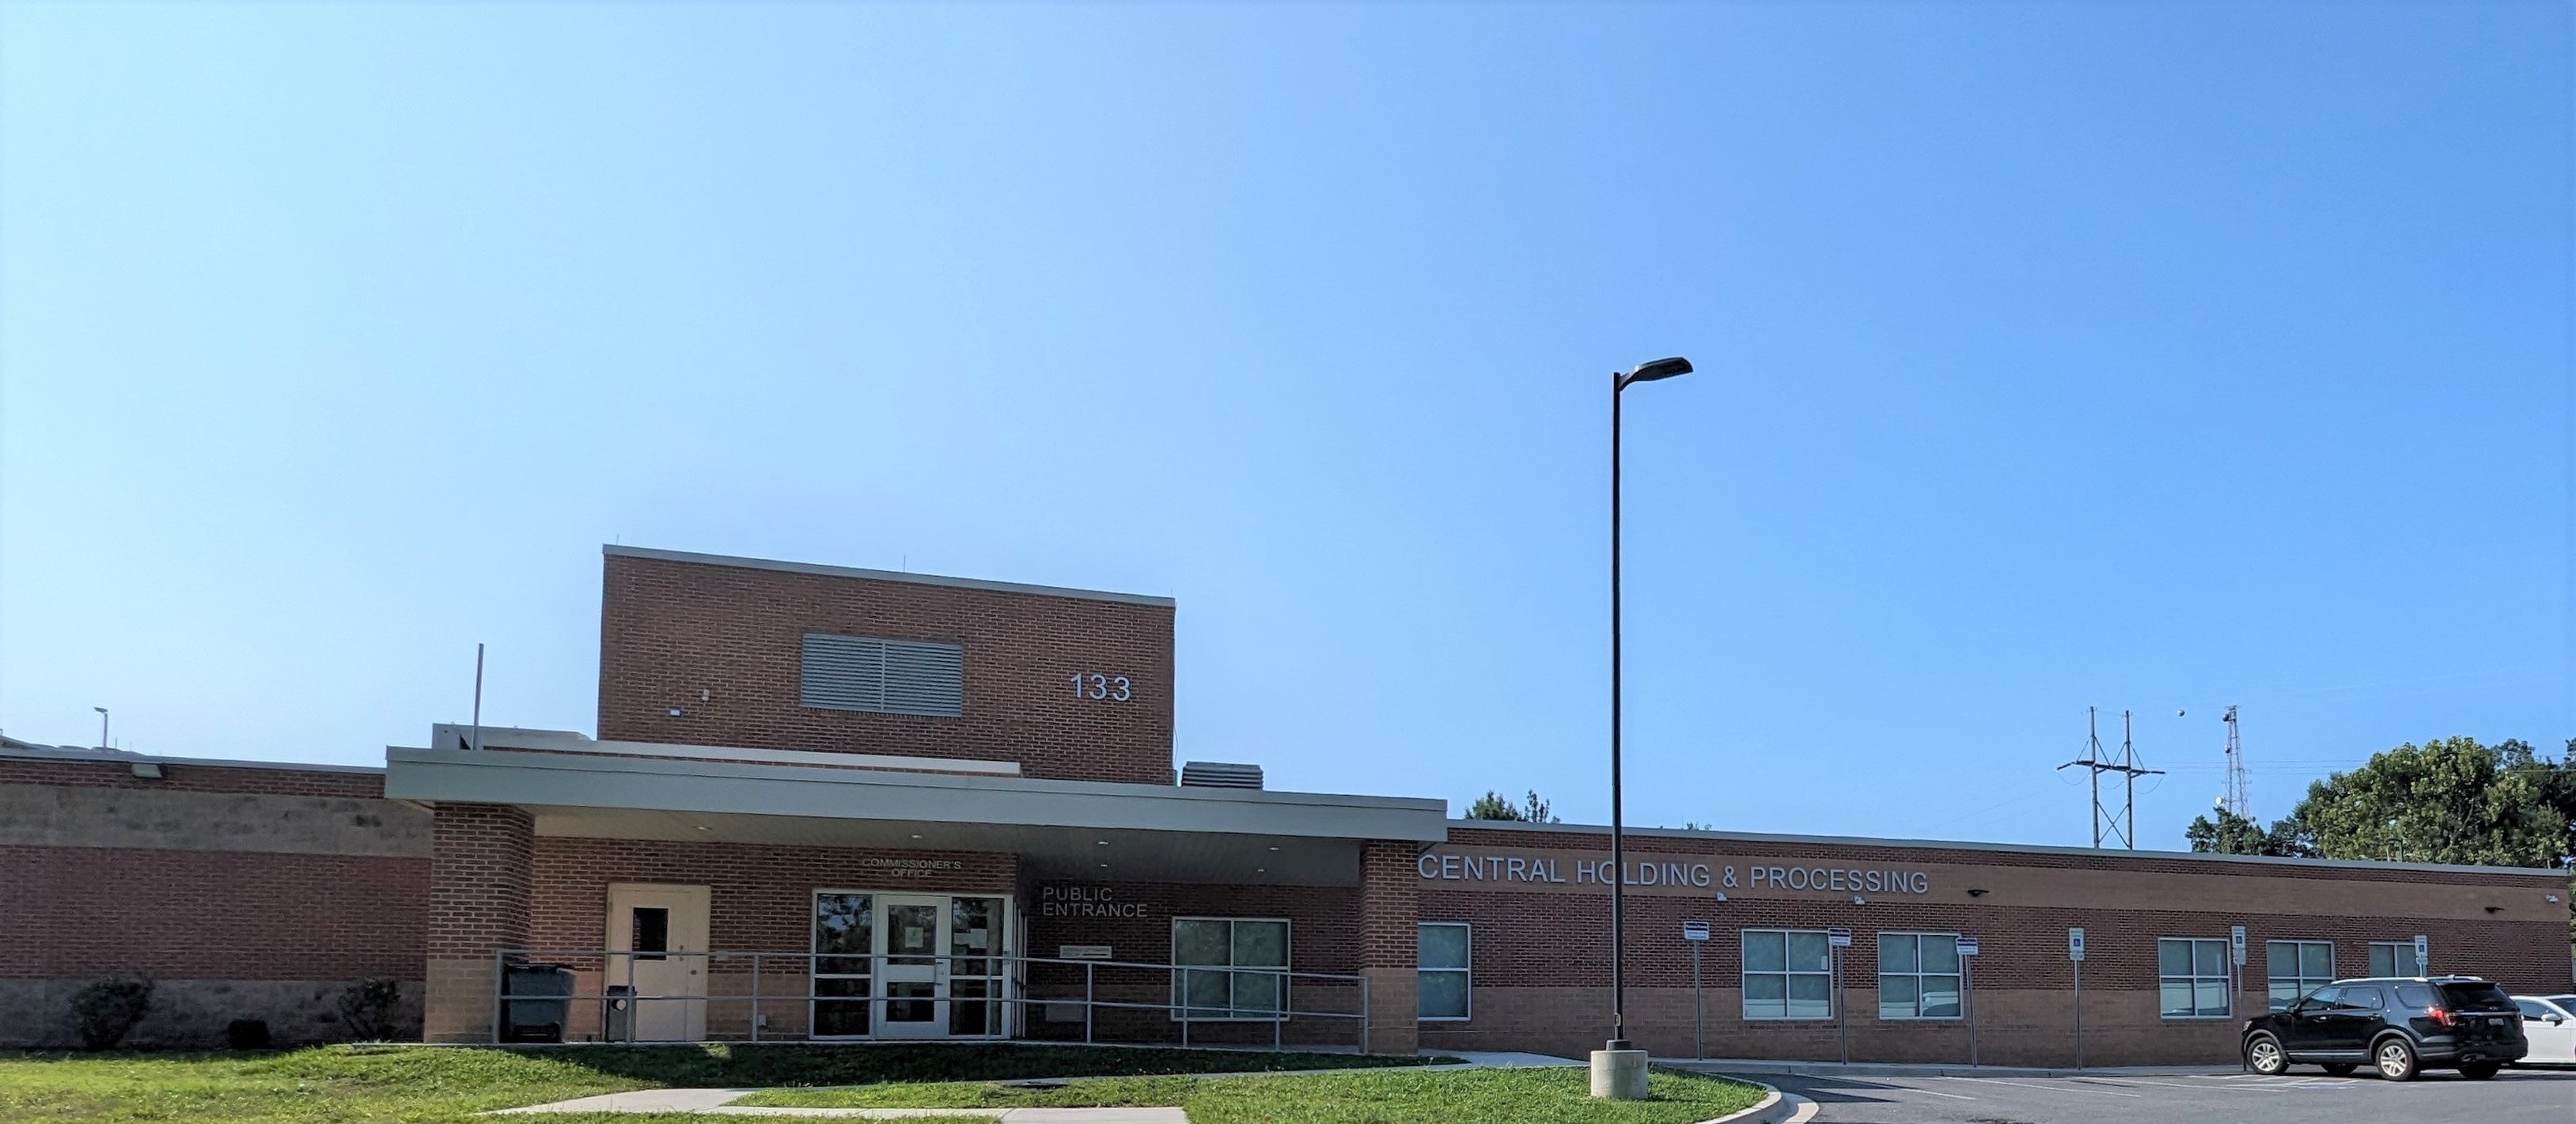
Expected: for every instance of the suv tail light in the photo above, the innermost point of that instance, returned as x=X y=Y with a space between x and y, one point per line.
x=2439 y=1015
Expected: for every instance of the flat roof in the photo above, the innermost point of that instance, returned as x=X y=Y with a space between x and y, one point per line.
x=594 y=780
x=2012 y=848
x=32 y=751
x=617 y=551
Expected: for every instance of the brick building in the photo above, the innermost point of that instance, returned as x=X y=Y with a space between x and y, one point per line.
x=832 y=804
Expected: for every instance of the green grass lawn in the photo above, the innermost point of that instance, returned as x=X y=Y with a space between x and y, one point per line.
x=437 y=1084
x=336 y=1083
x=1484 y=1096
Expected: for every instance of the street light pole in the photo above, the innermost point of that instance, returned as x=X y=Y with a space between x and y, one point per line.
x=1619 y=381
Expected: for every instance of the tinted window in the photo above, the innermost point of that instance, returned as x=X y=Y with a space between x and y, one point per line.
x=2321 y=997
x=2475 y=997
x=2415 y=996
x=2533 y=1008
x=2362 y=998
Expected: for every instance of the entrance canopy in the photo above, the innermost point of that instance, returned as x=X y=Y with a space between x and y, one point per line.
x=1060 y=829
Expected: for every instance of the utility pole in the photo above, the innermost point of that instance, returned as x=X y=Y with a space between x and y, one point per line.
x=2121 y=825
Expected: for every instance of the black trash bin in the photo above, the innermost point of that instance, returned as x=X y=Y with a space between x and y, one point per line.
x=536 y=1002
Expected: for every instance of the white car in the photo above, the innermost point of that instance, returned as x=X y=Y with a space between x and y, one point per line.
x=2549 y=1024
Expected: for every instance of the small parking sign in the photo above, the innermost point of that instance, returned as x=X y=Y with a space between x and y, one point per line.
x=1967 y=946
x=1694 y=930
x=2075 y=945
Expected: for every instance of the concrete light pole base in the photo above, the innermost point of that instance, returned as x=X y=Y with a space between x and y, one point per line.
x=1619 y=1075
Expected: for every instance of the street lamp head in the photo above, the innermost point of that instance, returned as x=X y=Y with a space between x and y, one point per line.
x=1656 y=369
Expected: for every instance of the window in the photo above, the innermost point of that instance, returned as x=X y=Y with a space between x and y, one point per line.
x=2296 y=968
x=2191 y=978
x=1788 y=974
x=885 y=676
x=1441 y=973
x=1918 y=975
x=1229 y=969
x=844 y=939
x=650 y=932
x=2394 y=959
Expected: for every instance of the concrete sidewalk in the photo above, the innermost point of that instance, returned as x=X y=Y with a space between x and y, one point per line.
x=720 y=1100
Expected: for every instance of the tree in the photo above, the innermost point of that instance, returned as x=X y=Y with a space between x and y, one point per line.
x=1492 y=806
x=2231 y=834
x=2447 y=801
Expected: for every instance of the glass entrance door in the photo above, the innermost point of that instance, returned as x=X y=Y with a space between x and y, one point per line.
x=915 y=977
x=908 y=965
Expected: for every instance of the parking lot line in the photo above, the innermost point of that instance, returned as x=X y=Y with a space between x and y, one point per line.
x=2043 y=1088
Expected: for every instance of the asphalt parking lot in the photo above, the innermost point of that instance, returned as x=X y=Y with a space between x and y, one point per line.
x=2304 y=1096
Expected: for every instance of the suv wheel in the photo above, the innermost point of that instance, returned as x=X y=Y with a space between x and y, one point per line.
x=2479 y=1071
x=2396 y=1059
x=2263 y=1055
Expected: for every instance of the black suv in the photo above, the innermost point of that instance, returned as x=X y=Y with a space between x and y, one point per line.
x=2402 y=1026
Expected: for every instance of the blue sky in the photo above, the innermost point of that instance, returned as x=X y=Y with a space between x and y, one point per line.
x=2157 y=356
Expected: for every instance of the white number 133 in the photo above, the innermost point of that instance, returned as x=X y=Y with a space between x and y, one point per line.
x=1094 y=685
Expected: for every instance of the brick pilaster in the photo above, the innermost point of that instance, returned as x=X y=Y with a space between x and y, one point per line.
x=479 y=887
x=1389 y=910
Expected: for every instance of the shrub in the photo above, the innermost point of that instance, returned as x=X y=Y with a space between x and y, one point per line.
x=104 y=1011
x=369 y=1008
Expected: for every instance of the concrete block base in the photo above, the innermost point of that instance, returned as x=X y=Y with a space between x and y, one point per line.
x=1619 y=1075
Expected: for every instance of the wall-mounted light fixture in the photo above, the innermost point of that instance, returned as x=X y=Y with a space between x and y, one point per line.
x=1721 y=896
x=1859 y=900
x=1977 y=891
x=2495 y=909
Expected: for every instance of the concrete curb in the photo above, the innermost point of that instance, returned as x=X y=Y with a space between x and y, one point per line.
x=1777 y=1108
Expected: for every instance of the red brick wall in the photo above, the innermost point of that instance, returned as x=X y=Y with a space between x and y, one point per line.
x=193 y=778
x=1548 y=939
x=74 y=912
x=1323 y=937
x=1389 y=905
x=760 y=896
x=479 y=879
x=670 y=630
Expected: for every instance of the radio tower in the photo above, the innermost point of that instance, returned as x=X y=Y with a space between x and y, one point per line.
x=2239 y=799
x=2122 y=824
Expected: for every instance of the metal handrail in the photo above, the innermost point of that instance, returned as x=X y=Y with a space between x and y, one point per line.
x=1016 y=995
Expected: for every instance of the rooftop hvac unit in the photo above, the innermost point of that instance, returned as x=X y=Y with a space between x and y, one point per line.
x=1219 y=774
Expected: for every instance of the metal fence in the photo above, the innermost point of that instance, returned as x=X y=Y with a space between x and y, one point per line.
x=771 y=982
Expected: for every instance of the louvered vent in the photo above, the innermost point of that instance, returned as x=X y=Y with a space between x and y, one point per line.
x=1219 y=774
x=885 y=676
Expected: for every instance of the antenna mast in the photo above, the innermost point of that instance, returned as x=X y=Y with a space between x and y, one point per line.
x=2122 y=824
x=2239 y=800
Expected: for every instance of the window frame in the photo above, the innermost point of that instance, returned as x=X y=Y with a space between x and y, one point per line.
x=2226 y=987
x=2399 y=952
x=1466 y=971
x=1918 y=975
x=1181 y=1011
x=2298 y=977
x=1744 y=972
